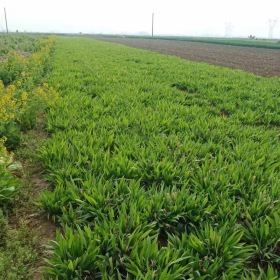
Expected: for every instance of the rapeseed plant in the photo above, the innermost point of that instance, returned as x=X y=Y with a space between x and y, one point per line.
x=21 y=98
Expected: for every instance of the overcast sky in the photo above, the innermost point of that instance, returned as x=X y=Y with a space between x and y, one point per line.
x=177 y=17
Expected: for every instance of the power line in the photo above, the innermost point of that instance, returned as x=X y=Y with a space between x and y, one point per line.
x=228 y=29
x=152 y=24
x=6 y=20
x=272 y=23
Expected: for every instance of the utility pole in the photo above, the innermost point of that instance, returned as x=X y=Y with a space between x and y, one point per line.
x=6 y=21
x=152 y=24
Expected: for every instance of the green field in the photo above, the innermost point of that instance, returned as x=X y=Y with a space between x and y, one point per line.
x=157 y=167
x=161 y=168
x=241 y=42
x=260 y=43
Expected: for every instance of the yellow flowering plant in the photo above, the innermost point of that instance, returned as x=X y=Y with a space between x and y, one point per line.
x=21 y=95
x=21 y=98
x=11 y=68
x=48 y=94
x=13 y=106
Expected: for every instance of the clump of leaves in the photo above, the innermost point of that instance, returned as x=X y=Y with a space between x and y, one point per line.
x=74 y=255
x=262 y=274
x=9 y=186
x=216 y=252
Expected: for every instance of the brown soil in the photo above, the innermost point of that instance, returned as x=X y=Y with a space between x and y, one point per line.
x=264 y=62
x=43 y=229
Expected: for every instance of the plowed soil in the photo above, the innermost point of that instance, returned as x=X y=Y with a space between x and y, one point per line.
x=260 y=61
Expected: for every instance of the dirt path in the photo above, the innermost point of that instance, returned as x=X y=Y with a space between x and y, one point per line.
x=43 y=229
x=265 y=62
x=33 y=183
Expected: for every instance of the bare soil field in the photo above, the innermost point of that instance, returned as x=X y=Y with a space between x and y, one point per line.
x=264 y=62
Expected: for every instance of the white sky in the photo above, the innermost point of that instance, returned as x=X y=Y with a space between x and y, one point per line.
x=176 y=17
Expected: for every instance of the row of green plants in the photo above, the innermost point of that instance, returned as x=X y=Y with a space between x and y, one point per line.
x=251 y=42
x=23 y=96
x=241 y=42
x=162 y=168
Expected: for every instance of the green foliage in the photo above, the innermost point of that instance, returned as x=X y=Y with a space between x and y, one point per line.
x=12 y=68
x=215 y=253
x=9 y=186
x=16 y=253
x=11 y=131
x=20 y=70
x=148 y=261
x=3 y=228
x=269 y=274
x=264 y=234
x=169 y=168
x=75 y=254
x=20 y=74
x=19 y=43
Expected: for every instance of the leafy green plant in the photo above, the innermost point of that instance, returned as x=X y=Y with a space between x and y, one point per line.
x=147 y=261
x=9 y=186
x=53 y=202
x=12 y=68
x=264 y=233
x=76 y=255
x=12 y=132
x=216 y=253
x=269 y=274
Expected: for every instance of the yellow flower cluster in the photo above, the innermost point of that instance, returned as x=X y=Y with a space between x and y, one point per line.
x=12 y=103
x=9 y=103
x=24 y=98
x=39 y=58
x=14 y=63
x=48 y=94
